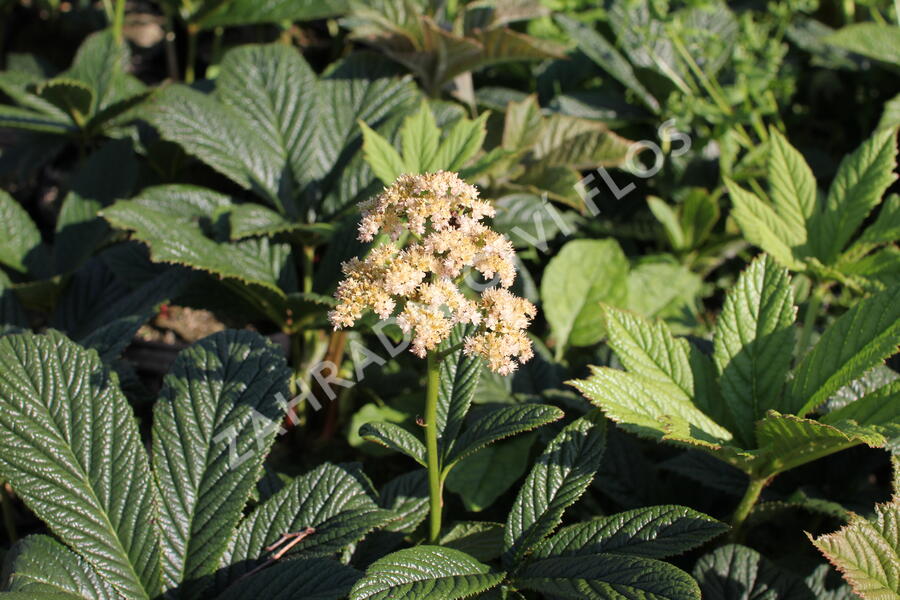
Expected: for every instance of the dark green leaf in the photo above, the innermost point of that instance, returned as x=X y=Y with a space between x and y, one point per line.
x=738 y=573
x=332 y=499
x=501 y=423
x=71 y=450
x=396 y=438
x=310 y=579
x=425 y=573
x=651 y=532
x=606 y=576
x=40 y=564
x=559 y=478
x=217 y=415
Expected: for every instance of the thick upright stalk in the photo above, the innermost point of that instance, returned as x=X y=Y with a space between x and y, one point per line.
x=431 y=438
x=754 y=489
x=813 y=306
x=119 y=21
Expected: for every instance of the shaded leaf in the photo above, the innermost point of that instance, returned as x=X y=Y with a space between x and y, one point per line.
x=558 y=479
x=423 y=573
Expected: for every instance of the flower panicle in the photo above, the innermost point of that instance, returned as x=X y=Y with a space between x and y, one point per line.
x=442 y=214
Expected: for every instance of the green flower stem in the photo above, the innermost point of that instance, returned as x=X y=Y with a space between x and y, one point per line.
x=119 y=21
x=431 y=438
x=754 y=489
x=813 y=305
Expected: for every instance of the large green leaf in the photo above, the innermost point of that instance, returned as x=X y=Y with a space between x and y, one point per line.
x=788 y=441
x=69 y=446
x=40 y=564
x=335 y=500
x=100 y=63
x=420 y=138
x=638 y=405
x=738 y=573
x=605 y=576
x=113 y=328
x=867 y=552
x=310 y=579
x=860 y=339
x=247 y=12
x=21 y=248
x=583 y=274
x=363 y=87
x=179 y=241
x=658 y=286
x=602 y=52
x=874 y=40
x=648 y=349
x=861 y=180
x=407 y=497
x=212 y=427
x=754 y=343
x=274 y=89
x=651 y=532
x=558 y=479
x=219 y=136
x=878 y=408
x=462 y=142
x=425 y=573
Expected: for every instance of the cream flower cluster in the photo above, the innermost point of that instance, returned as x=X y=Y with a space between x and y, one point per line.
x=442 y=215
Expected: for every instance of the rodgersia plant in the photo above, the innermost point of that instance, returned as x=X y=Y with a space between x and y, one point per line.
x=433 y=237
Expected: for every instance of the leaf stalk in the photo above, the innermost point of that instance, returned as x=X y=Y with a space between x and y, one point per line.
x=751 y=496
x=431 y=439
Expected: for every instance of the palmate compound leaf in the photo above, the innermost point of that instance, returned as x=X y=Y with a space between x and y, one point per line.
x=735 y=572
x=637 y=404
x=867 y=552
x=651 y=532
x=213 y=424
x=335 y=500
x=648 y=350
x=166 y=218
x=860 y=339
x=40 y=564
x=69 y=446
x=604 y=576
x=562 y=474
x=754 y=342
x=425 y=573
